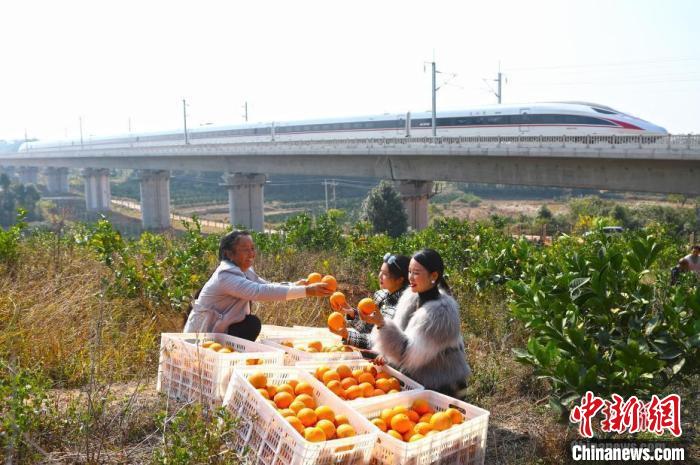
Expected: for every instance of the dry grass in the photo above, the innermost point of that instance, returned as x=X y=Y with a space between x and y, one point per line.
x=101 y=352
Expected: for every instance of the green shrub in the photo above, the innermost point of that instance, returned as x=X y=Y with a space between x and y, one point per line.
x=603 y=318
x=193 y=437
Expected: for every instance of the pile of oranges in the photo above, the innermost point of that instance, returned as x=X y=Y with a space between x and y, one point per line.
x=359 y=383
x=417 y=422
x=317 y=346
x=217 y=347
x=224 y=349
x=295 y=401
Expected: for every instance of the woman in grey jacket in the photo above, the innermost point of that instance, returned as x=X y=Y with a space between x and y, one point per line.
x=424 y=339
x=223 y=304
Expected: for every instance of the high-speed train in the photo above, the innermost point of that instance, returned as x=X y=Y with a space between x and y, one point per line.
x=536 y=119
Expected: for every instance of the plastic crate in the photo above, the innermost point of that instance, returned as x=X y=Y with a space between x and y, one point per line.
x=271 y=440
x=463 y=444
x=308 y=331
x=187 y=372
x=407 y=384
x=273 y=331
x=294 y=355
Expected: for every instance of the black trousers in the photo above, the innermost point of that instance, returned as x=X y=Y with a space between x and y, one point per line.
x=248 y=329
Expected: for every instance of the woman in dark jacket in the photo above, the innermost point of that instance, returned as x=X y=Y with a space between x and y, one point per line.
x=393 y=280
x=424 y=339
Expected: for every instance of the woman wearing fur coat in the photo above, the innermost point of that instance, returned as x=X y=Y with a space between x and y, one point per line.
x=424 y=339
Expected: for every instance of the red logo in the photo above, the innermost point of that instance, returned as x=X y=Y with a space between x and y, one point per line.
x=631 y=415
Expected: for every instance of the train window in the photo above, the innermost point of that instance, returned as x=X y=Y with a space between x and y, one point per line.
x=605 y=112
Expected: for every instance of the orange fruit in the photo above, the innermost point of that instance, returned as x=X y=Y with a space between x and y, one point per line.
x=253 y=361
x=395 y=434
x=314 y=278
x=399 y=409
x=344 y=371
x=285 y=388
x=324 y=412
x=394 y=384
x=315 y=345
x=226 y=350
x=370 y=369
x=425 y=418
x=307 y=416
x=329 y=376
x=293 y=383
x=383 y=384
x=421 y=406
x=283 y=399
x=366 y=378
x=304 y=388
x=367 y=389
x=441 y=421
x=338 y=300
x=258 y=379
x=216 y=347
x=455 y=415
x=416 y=437
x=336 y=388
x=413 y=416
x=327 y=427
x=296 y=423
x=393 y=391
x=379 y=423
x=401 y=423
x=386 y=415
x=407 y=435
x=422 y=428
x=287 y=412
x=367 y=306
x=307 y=400
x=345 y=431
x=206 y=344
x=356 y=373
x=331 y=283
x=382 y=375
x=314 y=434
x=353 y=392
x=341 y=419
x=378 y=392
x=336 y=321
x=320 y=371
x=296 y=406
x=347 y=382
x=264 y=393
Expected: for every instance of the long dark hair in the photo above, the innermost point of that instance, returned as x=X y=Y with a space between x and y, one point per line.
x=228 y=242
x=432 y=261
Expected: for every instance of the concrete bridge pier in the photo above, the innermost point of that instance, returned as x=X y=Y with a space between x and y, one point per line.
x=28 y=174
x=245 y=199
x=56 y=180
x=415 y=195
x=155 y=199
x=98 y=196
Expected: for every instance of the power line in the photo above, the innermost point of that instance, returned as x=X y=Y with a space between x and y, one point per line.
x=594 y=65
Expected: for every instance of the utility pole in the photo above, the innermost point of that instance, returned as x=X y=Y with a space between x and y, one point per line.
x=184 y=117
x=245 y=111
x=129 y=124
x=499 y=94
x=325 y=187
x=333 y=184
x=434 y=100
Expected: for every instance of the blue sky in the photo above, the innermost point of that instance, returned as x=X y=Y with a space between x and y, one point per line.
x=111 y=62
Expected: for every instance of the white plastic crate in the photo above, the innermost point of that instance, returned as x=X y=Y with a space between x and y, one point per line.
x=463 y=444
x=187 y=372
x=271 y=440
x=273 y=331
x=294 y=355
x=407 y=384
x=308 y=331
